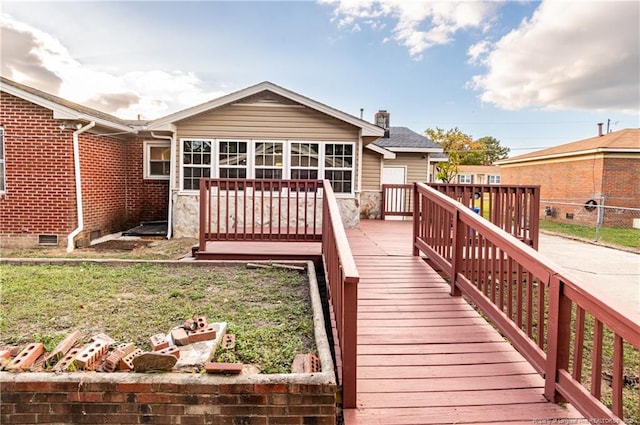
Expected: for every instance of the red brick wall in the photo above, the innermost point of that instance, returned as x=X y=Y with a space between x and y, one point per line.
x=578 y=180
x=40 y=180
x=171 y=398
x=40 y=195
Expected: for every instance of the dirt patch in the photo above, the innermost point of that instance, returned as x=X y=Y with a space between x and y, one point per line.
x=120 y=245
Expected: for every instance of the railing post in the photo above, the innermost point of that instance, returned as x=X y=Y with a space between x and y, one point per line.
x=383 y=207
x=558 y=338
x=203 y=214
x=350 y=344
x=417 y=218
x=457 y=259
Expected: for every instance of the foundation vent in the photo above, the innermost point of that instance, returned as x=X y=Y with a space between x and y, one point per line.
x=49 y=240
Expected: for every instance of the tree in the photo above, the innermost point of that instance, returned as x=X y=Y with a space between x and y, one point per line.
x=492 y=150
x=462 y=149
x=458 y=146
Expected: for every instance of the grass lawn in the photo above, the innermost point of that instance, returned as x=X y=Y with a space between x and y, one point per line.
x=624 y=237
x=269 y=310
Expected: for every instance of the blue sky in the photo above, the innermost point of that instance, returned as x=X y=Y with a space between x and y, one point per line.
x=532 y=74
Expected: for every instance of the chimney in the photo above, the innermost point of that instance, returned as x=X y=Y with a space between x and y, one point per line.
x=600 y=129
x=382 y=119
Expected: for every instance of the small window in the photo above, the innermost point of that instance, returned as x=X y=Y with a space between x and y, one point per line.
x=464 y=179
x=2 y=177
x=157 y=160
x=338 y=166
x=196 y=160
x=494 y=179
x=268 y=159
x=233 y=160
x=304 y=161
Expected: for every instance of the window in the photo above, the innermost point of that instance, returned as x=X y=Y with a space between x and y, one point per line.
x=464 y=179
x=494 y=179
x=268 y=160
x=304 y=160
x=2 y=183
x=196 y=160
x=232 y=160
x=338 y=166
x=157 y=160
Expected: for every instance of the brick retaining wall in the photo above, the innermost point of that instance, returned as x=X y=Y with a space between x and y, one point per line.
x=173 y=398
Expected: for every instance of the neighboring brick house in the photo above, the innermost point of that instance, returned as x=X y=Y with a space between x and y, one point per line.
x=126 y=172
x=39 y=189
x=575 y=177
x=478 y=174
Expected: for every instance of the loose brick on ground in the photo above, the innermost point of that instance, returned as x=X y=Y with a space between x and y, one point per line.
x=113 y=360
x=26 y=357
x=68 y=360
x=180 y=336
x=158 y=342
x=90 y=355
x=204 y=334
x=230 y=368
x=126 y=363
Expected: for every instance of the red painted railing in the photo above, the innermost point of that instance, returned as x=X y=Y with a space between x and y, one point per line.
x=342 y=281
x=515 y=209
x=267 y=210
x=569 y=334
x=290 y=211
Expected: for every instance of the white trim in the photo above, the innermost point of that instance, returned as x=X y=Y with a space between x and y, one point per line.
x=515 y=160
x=368 y=129
x=386 y=154
x=147 y=145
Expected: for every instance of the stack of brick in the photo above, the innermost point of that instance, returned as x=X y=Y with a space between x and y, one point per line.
x=96 y=355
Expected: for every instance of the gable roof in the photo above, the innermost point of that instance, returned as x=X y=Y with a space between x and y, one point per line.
x=64 y=109
x=402 y=139
x=627 y=140
x=165 y=123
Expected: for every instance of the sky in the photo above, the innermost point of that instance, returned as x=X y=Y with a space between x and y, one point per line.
x=531 y=74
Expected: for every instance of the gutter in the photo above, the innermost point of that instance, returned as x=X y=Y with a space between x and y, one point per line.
x=76 y=165
x=171 y=178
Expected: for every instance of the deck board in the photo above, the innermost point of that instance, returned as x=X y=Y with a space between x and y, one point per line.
x=426 y=357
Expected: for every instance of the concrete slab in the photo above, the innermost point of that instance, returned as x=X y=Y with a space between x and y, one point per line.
x=615 y=273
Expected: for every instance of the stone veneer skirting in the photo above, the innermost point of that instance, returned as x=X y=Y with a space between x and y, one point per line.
x=174 y=398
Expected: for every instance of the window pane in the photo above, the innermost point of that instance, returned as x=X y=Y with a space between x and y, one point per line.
x=2 y=176
x=340 y=180
x=160 y=153
x=268 y=173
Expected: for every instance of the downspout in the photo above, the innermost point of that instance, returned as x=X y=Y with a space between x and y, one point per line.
x=76 y=165
x=172 y=171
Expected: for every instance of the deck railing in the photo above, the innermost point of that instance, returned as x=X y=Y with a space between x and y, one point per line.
x=397 y=200
x=342 y=281
x=515 y=209
x=568 y=333
x=292 y=210
x=267 y=210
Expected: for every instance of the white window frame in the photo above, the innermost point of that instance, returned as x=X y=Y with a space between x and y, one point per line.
x=3 y=167
x=465 y=177
x=212 y=166
x=147 y=159
x=218 y=151
x=494 y=177
x=286 y=163
x=352 y=168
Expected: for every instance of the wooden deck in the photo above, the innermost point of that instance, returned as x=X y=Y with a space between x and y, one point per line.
x=425 y=357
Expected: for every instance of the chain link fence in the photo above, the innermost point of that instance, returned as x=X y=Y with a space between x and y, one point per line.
x=595 y=212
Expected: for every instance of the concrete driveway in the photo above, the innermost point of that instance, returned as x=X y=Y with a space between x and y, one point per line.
x=612 y=272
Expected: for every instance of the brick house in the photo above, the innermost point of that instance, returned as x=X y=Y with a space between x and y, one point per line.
x=478 y=174
x=577 y=176
x=74 y=173
x=43 y=201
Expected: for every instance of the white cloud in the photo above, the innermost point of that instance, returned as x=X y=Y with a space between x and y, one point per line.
x=420 y=24
x=35 y=58
x=477 y=51
x=569 y=55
